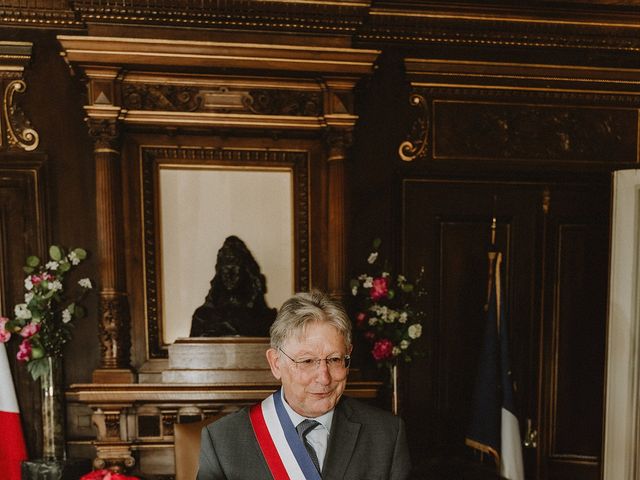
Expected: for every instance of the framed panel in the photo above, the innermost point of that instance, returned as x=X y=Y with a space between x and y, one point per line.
x=193 y=199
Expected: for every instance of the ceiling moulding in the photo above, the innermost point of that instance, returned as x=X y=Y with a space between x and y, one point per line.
x=326 y=16
x=605 y=29
x=128 y=52
x=57 y=14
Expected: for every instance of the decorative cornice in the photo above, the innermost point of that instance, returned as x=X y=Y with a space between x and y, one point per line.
x=588 y=26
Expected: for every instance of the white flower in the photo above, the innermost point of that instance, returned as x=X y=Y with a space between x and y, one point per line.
x=404 y=344
x=85 y=283
x=385 y=274
x=362 y=277
x=373 y=321
x=403 y=317
x=392 y=315
x=372 y=258
x=66 y=316
x=52 y=265
x=396 y=351
x=368 y=282
x=415 y=331
x=73 y=258
x=28 y=284
x=354 y=290
x=402 y=279
x=22 y=312
x=28 y=297
x=55 y=285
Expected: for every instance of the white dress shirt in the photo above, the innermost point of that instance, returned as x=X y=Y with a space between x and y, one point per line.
x=318 y=438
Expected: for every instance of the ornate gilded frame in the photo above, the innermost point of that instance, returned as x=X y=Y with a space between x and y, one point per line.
x=152 y=158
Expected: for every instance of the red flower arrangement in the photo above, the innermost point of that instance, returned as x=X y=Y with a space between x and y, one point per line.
x=106 y=475
x=387 y=314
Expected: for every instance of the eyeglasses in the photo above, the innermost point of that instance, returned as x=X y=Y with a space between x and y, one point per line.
x=335 y=363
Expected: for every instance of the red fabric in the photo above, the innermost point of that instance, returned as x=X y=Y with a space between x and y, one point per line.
x=12 y=448
x=267 y=446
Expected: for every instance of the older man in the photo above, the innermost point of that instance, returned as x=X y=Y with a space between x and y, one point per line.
x=307 y=429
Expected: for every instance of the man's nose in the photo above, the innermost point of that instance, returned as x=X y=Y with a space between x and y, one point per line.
x=322 y=373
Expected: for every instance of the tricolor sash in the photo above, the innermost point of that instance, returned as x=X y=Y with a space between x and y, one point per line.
x=281 y=446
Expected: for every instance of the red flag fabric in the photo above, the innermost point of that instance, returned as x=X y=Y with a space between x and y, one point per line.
x=12 y=447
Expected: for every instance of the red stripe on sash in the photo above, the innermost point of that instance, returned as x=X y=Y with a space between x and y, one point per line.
x=267 y=446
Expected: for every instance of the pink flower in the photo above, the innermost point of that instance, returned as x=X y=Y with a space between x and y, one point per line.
x=5 y=335
x=24 y=351
x=379 y=288
x=36 y=279
x=382 y=349
x=370 y=336
x=106 y=475
x=361 y=318
x=30 y=329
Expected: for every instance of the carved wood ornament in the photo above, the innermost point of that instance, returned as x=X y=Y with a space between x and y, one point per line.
x=301 y=120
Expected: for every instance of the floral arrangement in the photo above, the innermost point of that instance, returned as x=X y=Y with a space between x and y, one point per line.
x=106 y=475
x=387 y=314
x=43 y=320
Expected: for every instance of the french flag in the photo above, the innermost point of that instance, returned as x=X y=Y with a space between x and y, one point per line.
x=12 y=448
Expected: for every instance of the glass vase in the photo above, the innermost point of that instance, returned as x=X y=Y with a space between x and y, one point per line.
x=53 y=441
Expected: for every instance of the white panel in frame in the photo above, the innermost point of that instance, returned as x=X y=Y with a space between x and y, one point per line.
x=199 y=208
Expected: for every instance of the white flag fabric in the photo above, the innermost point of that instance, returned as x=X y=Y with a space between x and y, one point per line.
x=12 y=447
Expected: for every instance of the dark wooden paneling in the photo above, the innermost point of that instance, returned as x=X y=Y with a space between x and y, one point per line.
x=21 y=234
x=555 y=133
x=555 y=273
x=574 y=333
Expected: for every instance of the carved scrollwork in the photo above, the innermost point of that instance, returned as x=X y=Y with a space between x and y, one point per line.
x=19 y=131
x=114 y=323
x=416 y=143
x=104 y=131
x=277 y=102
x=161 y=97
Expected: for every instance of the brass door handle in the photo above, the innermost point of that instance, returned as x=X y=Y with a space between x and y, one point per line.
x=531 y=437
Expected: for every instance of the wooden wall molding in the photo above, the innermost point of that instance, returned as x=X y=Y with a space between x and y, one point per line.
x=478 y=111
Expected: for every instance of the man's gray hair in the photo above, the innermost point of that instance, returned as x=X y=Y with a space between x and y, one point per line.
x=304 y=309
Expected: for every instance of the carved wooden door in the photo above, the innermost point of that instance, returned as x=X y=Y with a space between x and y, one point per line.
x=21 y=234
x=554 y=240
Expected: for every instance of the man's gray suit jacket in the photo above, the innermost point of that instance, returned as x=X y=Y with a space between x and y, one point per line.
x=366 y=443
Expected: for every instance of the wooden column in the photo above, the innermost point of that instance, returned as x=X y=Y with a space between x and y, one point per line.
x=338 y=107
x=338 y=142
x=114 y=322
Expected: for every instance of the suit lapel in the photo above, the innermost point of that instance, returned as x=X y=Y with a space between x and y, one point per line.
x=342 y=441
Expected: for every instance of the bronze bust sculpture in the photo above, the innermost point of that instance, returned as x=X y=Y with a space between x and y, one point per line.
x=235 y=304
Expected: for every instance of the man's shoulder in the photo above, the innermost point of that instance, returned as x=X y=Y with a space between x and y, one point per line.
x=232 y=421
x=365 y=413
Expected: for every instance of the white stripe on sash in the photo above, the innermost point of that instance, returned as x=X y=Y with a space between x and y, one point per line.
x=277 y=434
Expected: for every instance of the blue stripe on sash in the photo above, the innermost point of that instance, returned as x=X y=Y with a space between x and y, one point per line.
x=296 y=445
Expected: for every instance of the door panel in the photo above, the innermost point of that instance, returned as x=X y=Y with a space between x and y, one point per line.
x=554 y=269
x=21 y=234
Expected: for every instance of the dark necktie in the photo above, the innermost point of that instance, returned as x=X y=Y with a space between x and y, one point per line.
x=303 y=428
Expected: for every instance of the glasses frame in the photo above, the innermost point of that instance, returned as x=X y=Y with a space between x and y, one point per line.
x=317 y=361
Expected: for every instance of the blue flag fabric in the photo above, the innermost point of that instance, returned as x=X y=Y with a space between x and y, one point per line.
x=494 y=427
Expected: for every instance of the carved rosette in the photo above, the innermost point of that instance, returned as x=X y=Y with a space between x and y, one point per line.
x=170 y=98
x=276 y=102
x=20 y=134
x=115 y=341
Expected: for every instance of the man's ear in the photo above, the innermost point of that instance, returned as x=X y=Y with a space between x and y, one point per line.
x=273 y=357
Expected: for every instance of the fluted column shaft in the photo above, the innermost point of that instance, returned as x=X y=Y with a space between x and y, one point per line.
x=114 y=321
